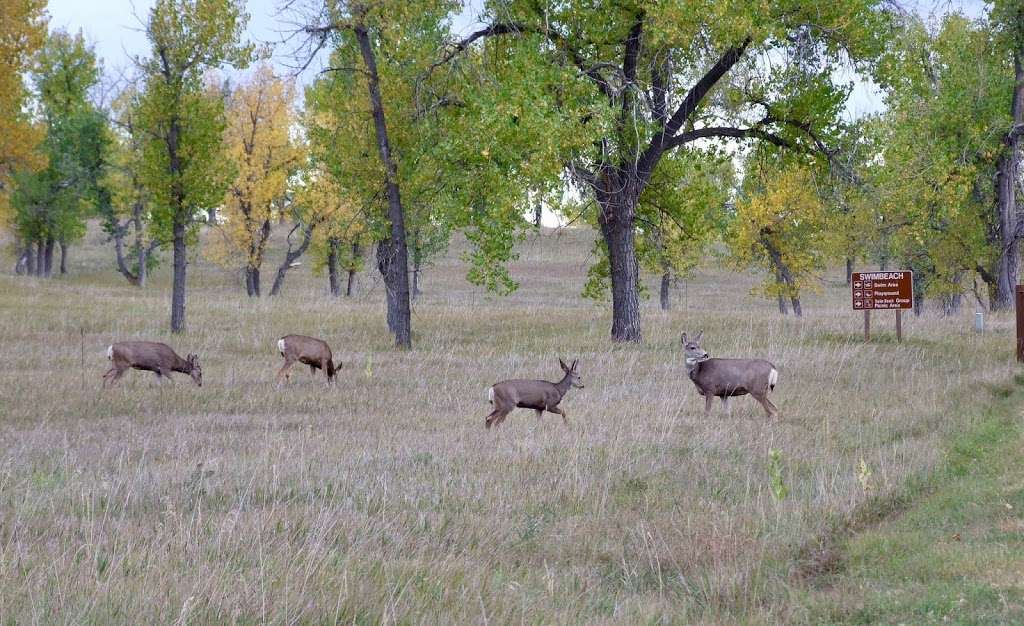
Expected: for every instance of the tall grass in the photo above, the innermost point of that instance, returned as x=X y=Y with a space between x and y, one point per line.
x=383 y=499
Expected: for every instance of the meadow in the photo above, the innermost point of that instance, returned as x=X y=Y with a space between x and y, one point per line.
x=382 y=499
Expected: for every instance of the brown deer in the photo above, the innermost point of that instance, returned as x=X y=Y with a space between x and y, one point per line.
x=309 y=350
x=539 y=395
x=729 y=377
x=150 y=356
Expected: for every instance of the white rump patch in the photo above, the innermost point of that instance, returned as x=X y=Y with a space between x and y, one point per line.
x=773 y=377
x=280 y=346
x=110 y=352
x=490 y=395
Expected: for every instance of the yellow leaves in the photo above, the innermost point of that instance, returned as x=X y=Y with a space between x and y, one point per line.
x=22 y=32
x=784 y=223
x=259 y=143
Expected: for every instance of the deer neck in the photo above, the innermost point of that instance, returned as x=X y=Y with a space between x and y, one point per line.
x=563 y=385
x=182 y=366
x=692 y=368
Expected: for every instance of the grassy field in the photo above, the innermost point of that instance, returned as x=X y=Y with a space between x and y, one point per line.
x=384 y=500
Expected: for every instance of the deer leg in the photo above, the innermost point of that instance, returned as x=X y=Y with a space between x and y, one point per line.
x=769 y=407
x=561 y=412
x=117 y=374
x=725 y=405
x=106 y=377
x=496 y=417
x=539 y=412
x=323 y=366
x=284 y=371
x=165 y=373
x=312 y=370
x=707 y=404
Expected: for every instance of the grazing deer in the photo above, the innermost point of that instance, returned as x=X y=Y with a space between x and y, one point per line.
x=309 y=350
x=149 y=356
x=539 y=395
x=729 y=377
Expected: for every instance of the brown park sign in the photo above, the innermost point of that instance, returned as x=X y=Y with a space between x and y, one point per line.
x=883 y=290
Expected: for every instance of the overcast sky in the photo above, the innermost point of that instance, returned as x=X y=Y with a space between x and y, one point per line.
x=113 y=27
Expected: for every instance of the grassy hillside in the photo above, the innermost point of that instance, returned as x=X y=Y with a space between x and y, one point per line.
x=383 y=498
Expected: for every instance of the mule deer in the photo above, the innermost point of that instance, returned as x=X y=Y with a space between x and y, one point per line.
x=309 y=350
x=150 y=356
x=729 y=377
x=539 y=395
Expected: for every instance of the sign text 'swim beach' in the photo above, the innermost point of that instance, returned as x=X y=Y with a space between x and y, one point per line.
x=883 y=290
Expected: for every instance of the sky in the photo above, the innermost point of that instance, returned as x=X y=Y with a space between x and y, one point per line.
x=113 y=26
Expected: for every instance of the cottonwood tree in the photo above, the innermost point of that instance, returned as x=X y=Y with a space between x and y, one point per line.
x=51 y=203
x=932 y=193
x=126 y=217
x=644 y=79
x=1007 y=18
x=260 y=120
x=780 y=226
x=184 y=169
x=412 y=146
x=22 y=33
x=342 y=238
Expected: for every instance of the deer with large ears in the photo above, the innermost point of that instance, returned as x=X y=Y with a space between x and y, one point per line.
x=729 y=377
x=539 y=395
x=150 y=356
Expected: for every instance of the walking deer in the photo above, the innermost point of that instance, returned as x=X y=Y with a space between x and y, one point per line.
x=539 y=395
x=150 y=356
x=302 y=349
x=729 y=377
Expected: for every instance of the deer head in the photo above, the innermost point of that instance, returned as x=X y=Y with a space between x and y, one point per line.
x=196 y=372
x=571 y=371
x=692 y=351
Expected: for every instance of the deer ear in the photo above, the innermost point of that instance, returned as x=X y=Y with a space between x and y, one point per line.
x=683 y=339
x=575 y=362
x=565 y=368
x=699 y=336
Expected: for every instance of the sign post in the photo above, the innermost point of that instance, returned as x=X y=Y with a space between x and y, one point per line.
x=895 y=290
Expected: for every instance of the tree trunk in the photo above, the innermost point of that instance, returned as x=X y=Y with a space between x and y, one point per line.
x=797 y=309
x=48 y=258
x=21 y=265
x=142 y=253
x=392 y=255
x=666 y=300
x=40 y=257
x=291 y=256
x=350 y=288
x=416 y=269
x=849 y=271
x=1006 y=201
x=779 y=280
x=332 y=267
x=63 y=258
x=180 y=265
x=617 y=227
x=538 y=213
x=30 y=259
x=252 y=281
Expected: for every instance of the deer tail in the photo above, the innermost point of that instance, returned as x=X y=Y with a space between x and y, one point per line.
x=490 y=395
x=773 y=378
x=280 y=346
x=110 y=352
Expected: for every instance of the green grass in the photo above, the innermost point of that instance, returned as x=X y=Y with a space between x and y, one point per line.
x=955 y=552
x=383 y=499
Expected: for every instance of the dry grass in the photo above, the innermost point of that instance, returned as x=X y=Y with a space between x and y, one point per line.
x=383 y=499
